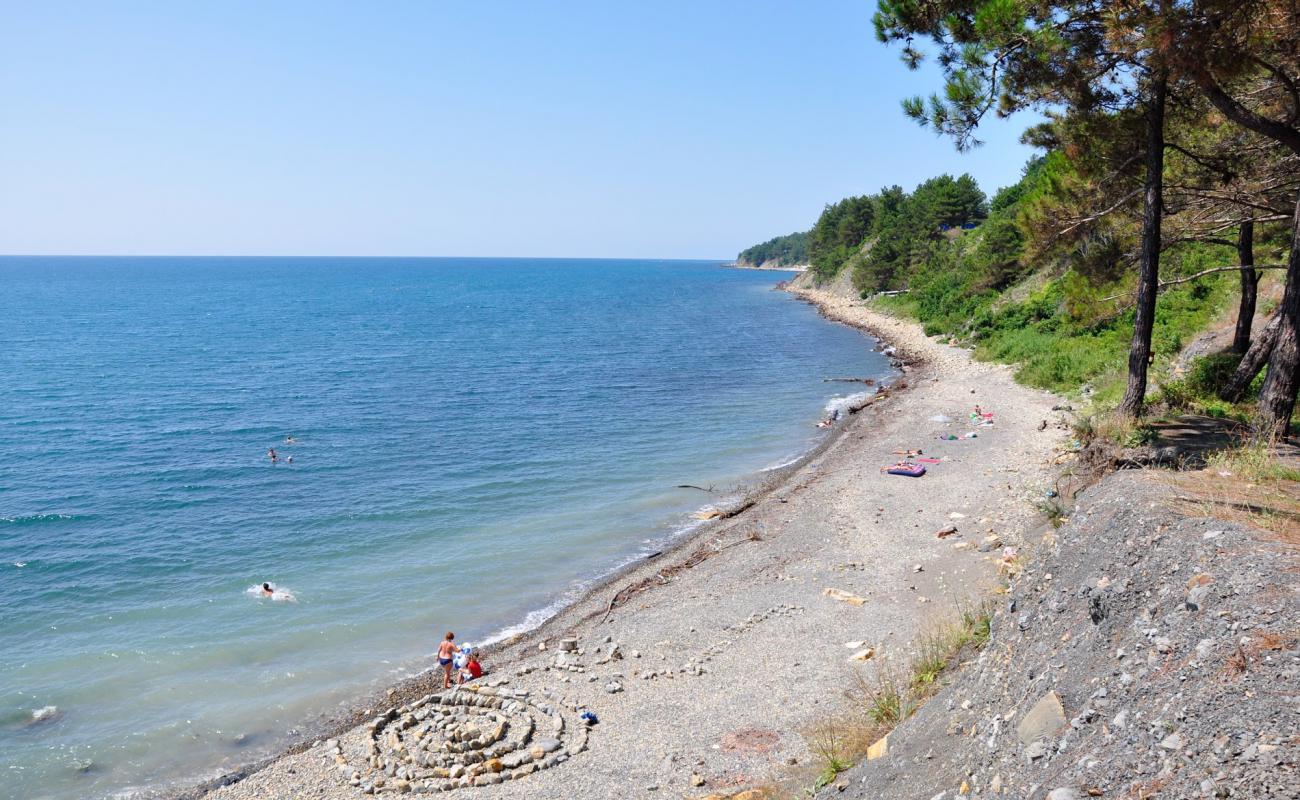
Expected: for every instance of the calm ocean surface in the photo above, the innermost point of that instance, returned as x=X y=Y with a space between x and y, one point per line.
x=476 y=440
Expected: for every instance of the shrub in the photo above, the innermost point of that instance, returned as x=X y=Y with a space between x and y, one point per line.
x=1208 y=373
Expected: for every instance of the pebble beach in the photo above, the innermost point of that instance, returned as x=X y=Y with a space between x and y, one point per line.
x=708 y=666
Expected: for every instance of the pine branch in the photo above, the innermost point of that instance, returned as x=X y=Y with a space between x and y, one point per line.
x=1201 y=274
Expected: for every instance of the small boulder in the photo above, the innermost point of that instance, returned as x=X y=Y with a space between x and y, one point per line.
x=1045 y=718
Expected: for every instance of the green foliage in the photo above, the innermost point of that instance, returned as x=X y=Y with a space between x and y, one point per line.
x=839 y=232
x=1197 y=391
x=783 y=251
x=882 y=236
x=1068 y=329
x=911 y=230
x=1208 y=373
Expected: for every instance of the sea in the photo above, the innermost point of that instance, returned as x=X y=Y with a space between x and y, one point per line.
x=461 y=444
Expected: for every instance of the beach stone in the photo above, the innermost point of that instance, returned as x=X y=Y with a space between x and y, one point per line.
x=1046 y=717
x=1036 y=750
x=568 y=644
x=548 y=745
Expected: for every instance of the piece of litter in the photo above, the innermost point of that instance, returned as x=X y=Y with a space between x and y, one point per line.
x=848 y=597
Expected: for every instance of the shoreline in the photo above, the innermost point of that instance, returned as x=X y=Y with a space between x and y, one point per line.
x=645 y=581
x=799 y=268
x=411 y=688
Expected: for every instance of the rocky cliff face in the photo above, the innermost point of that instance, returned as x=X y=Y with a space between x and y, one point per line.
x=1141 y=654
x=770 y=264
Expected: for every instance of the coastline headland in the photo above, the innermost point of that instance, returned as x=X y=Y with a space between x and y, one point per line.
x=768 y=266
x=708 y=665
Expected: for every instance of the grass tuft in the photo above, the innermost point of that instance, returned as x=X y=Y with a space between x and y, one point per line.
x=1251 y=483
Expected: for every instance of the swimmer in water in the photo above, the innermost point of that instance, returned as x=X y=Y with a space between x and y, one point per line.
x=271 y=455
x=288 y=459
x=290 y=440
x=267 y=591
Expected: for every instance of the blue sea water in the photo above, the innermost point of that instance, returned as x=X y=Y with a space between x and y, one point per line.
x=476 y=439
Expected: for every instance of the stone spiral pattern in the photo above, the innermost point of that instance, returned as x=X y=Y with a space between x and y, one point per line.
x=464 y=737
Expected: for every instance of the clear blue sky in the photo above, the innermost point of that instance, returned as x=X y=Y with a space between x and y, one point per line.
x=664 y=129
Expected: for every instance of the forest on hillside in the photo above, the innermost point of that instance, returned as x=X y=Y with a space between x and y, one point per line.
x=781 y=251
x=1167 y=190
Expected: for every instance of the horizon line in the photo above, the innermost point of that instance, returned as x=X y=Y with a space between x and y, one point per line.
x=246 y=255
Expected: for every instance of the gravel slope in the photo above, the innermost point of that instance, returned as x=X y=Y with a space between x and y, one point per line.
x=1143 y=654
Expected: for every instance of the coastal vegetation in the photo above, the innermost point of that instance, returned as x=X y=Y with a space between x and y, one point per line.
x=780 y=251
x=1166 y=196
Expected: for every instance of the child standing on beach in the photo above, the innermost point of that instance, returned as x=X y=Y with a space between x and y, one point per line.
x=446 y=651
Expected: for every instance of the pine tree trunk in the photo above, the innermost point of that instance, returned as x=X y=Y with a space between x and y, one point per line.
x=1249 y=287
x=1251 y=363
x=1277 y=397
x=1149 y=273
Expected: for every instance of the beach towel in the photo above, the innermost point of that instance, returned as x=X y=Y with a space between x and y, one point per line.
x=906 y=469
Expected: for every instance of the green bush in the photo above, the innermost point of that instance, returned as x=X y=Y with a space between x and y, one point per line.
x=1208 y=373
x=1177 y=395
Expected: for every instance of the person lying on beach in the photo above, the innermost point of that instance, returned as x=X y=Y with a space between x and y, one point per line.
x=446 y=651
x=909 y=453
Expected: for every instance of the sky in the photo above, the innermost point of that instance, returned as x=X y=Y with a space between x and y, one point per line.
x=438 y=128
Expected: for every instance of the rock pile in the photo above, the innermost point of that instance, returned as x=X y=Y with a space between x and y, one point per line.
x=459 y=738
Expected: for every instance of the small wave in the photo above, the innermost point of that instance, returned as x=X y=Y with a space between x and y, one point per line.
x=840 y=405
x=533 y=619
x=782 y=464
x=536 y=618
x=279 y=594
x=36 y=519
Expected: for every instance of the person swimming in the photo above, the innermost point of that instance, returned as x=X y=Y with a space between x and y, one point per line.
x=271 y=455
x=267 y=591
x=290 y=440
